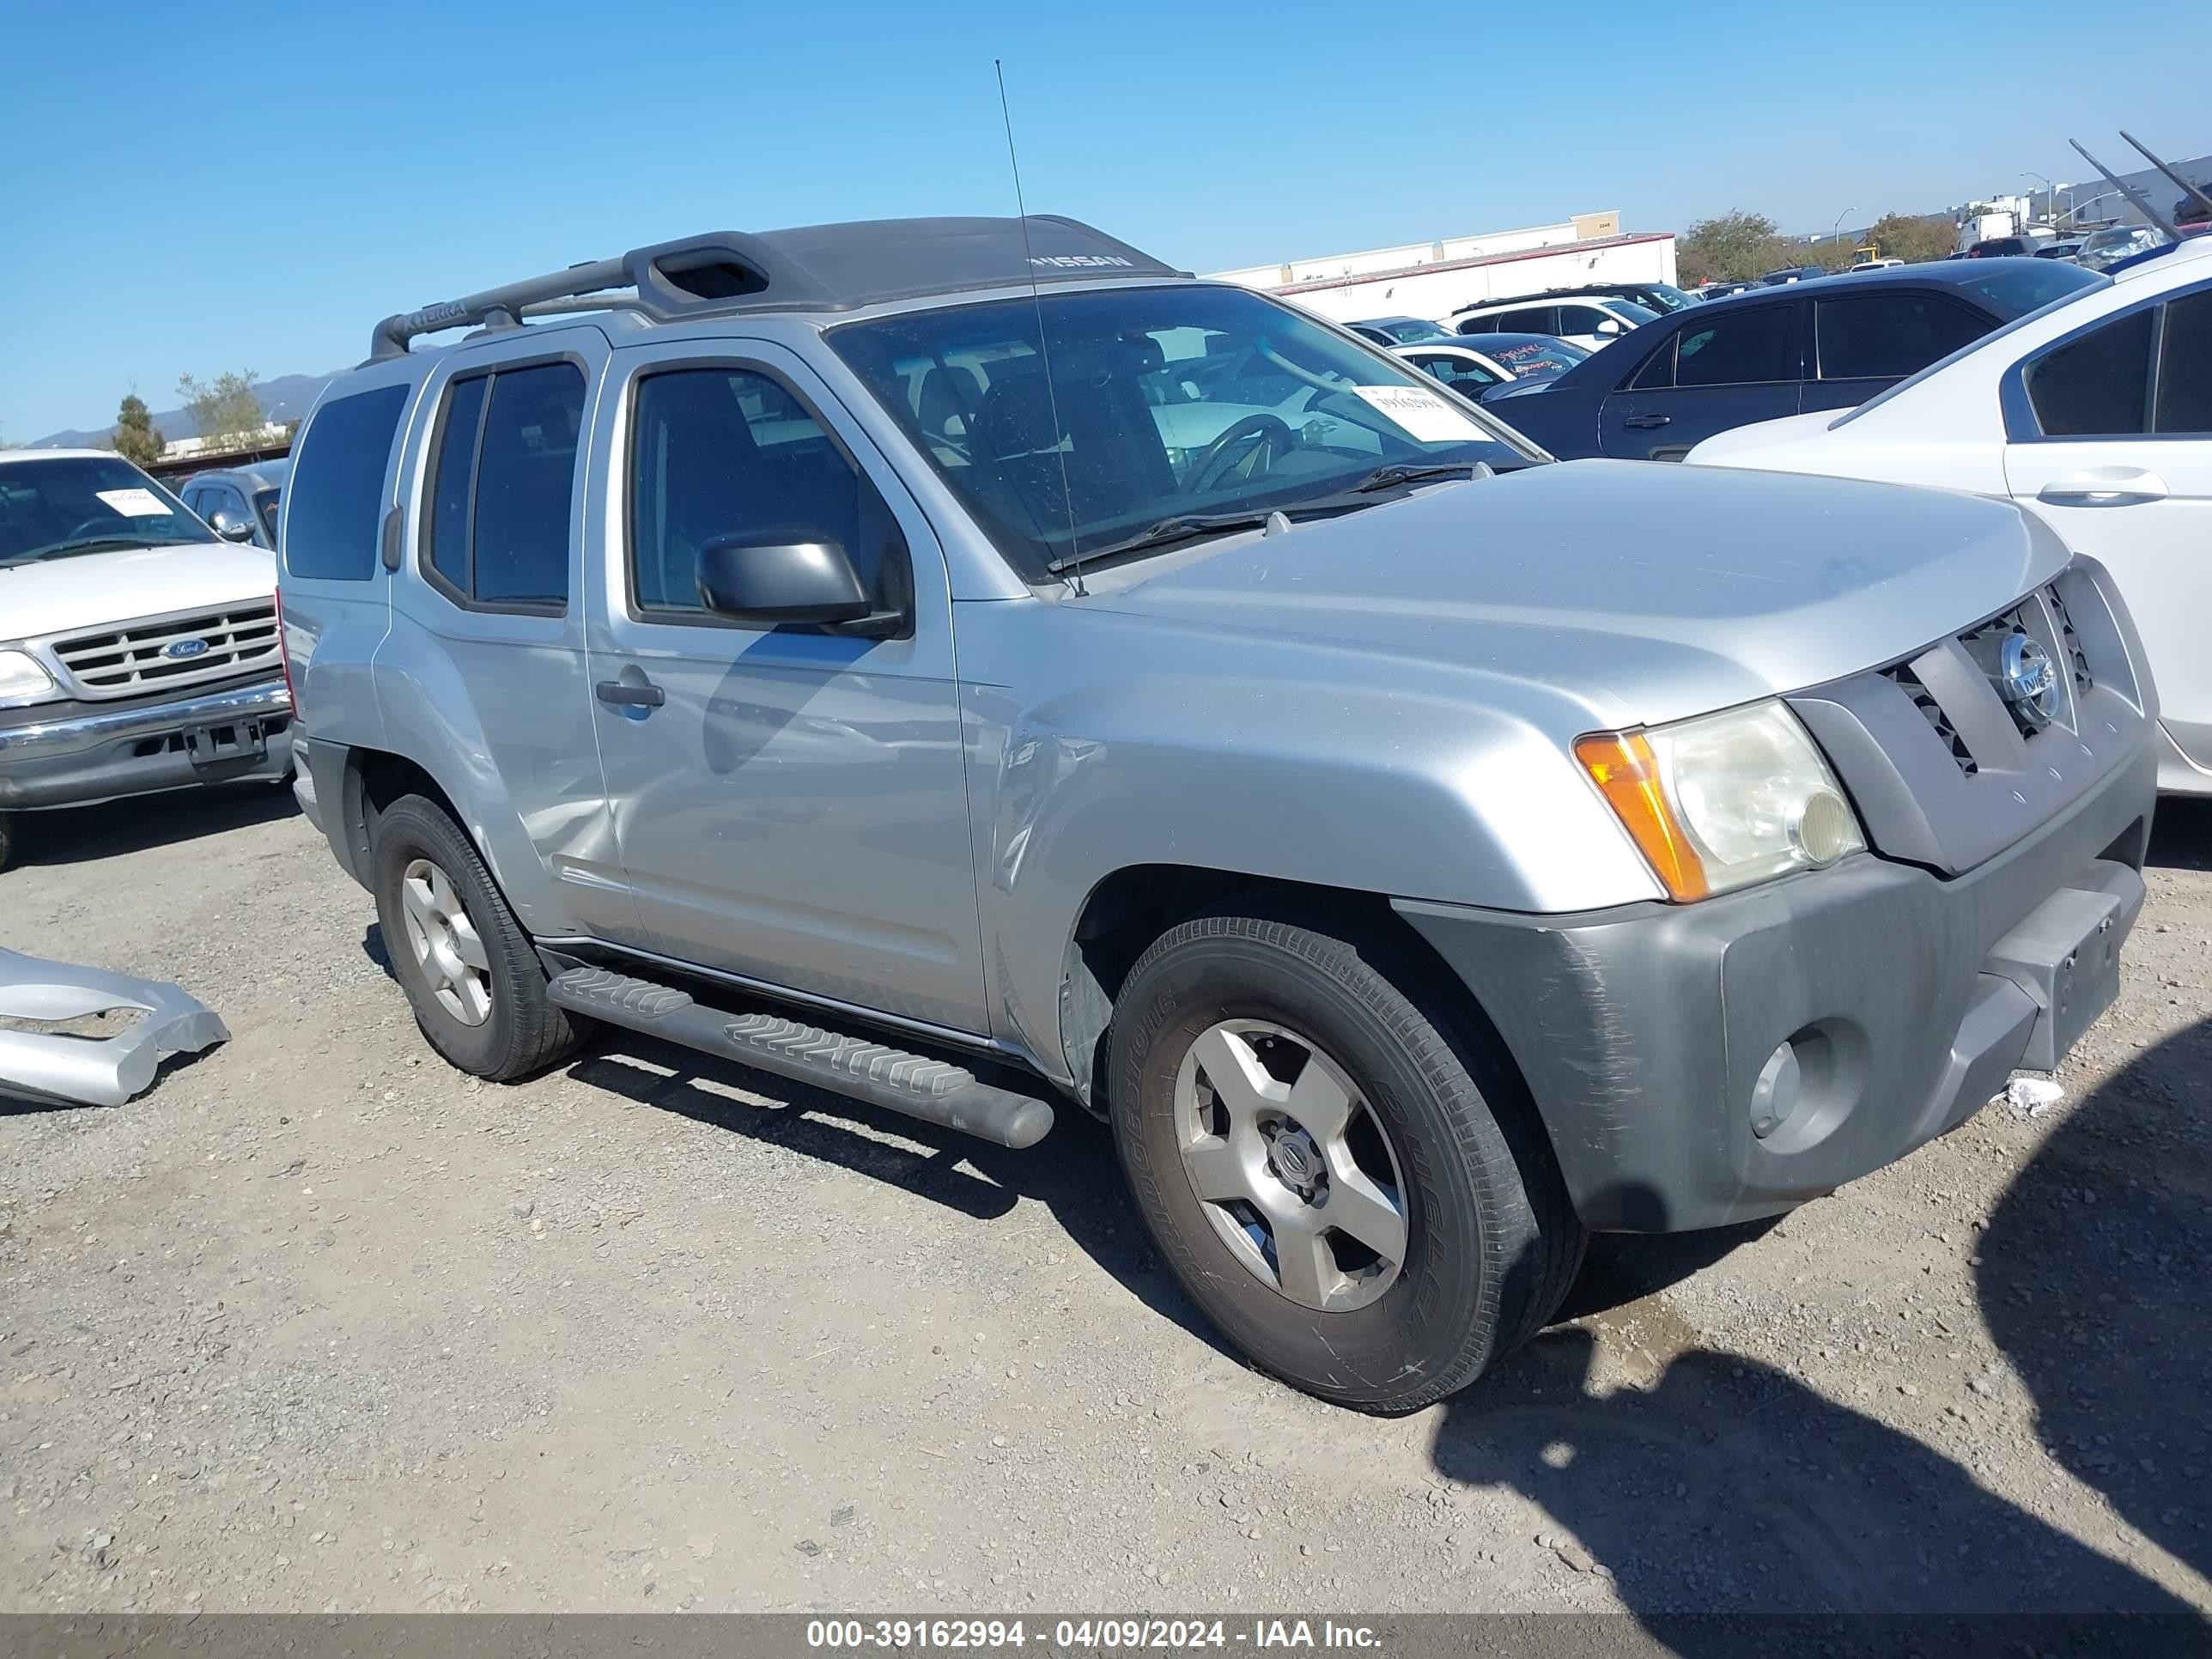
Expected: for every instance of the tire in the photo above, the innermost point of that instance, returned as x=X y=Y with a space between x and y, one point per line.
x=7 y=839
x=518 y=1031
x=1489 y=1240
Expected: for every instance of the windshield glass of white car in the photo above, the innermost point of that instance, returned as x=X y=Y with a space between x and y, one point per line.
x=1161 y=402
x=55 y=509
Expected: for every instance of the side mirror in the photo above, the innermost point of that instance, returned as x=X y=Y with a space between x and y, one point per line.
x=771 y=583
x=232 y=528
x=1609 y=326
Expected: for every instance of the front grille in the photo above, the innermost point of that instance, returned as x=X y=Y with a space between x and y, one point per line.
x=1909 y=682
x=2077 y=659
x=134 y=660
x=1986 y=645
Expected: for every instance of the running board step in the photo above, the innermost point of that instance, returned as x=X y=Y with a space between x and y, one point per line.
x=934 y=1090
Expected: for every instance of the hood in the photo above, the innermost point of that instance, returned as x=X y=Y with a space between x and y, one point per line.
x=1640 y=593
x=89 y=590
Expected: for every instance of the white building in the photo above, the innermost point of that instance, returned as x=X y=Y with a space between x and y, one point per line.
x=1434 y=279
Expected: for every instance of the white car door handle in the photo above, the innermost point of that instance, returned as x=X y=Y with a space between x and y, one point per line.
x=2104 y=486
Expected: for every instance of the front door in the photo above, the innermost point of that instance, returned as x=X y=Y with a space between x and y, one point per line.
x=2110 y=441
x=791 y=803
x=1738 y=365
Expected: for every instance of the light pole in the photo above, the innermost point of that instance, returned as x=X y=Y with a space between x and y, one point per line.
x=2050 y=191
x=1836 y=230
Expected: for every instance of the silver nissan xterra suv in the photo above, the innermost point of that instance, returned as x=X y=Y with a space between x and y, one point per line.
x=970 y=665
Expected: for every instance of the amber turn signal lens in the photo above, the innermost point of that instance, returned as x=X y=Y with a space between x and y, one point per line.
x=1626 y=774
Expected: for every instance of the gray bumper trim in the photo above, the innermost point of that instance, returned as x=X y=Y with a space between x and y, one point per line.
x=153 y=720
x=1643 y=1032
x=121 y=752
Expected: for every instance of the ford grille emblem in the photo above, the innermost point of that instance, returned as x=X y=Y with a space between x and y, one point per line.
x=2029 y=679
x=182 y=648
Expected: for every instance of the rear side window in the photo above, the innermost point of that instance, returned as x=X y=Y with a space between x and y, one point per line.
x=1743 y=348
x=1889 y=336
x=336 y=522
x=2185 y=367
x=731 y=452
x=2099 y=385
x=501 y=485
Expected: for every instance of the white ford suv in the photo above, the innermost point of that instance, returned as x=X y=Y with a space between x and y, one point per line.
x=138 y=650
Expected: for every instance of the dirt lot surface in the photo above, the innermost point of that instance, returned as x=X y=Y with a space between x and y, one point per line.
x=319 y=1323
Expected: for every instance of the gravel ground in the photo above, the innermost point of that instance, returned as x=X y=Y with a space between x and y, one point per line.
x=319 y=1323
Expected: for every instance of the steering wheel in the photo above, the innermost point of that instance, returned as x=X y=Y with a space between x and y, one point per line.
x=1276 y=439
x=90 y=527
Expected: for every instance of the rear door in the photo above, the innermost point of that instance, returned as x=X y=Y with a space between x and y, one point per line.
x=1716 y=370
x=1863 y=342
x=2109 y=437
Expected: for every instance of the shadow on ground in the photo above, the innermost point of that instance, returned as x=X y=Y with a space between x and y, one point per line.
x=79 y=835
x=2181 y=835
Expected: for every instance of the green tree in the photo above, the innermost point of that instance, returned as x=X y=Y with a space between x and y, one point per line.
x=1914 y=236
x=136 y=438
x=1733 y=247
x=225 y=410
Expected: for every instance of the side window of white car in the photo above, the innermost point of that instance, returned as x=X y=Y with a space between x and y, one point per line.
x=2099 y=386
x=2185 y=368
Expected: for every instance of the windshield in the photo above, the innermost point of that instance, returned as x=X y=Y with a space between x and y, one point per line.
x=1413 y=329
x=1533 y=357
x=1632 y=311
x=2015 y=290
x=1163 y=403
x=1664 y=297
x=72 y=504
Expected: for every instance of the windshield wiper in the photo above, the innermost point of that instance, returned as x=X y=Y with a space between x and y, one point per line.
x=89 y=544
x=1183 y=527
x=1407 y=472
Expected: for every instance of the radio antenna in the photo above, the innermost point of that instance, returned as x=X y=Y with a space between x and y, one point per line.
x=1044 y=351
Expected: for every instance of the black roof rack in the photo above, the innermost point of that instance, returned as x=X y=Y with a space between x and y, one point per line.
x=813 y=268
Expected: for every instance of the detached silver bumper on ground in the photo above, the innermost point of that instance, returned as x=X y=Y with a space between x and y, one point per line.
x=74 y=754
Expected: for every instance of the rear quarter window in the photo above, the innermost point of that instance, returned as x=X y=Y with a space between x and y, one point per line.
x=337 y=487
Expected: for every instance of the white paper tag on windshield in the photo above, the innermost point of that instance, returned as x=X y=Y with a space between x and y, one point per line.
x=1424 y=417
x=134 y=504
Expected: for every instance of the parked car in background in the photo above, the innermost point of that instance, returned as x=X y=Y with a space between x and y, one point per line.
x=1501 y=360
x=1776 y=351
x=1722 y=290
x=1399 y=331
x=1790 y=274
x=1589 y=324
x=2110 y=243
x=138 y=651
x=686 y=668
x=2005 y=247
x=2062 y=250
x=1657 y=297
x=239 y=503
x=2096 y=416
x=1877 y=264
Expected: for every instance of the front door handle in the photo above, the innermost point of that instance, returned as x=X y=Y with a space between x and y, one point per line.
x=1645 y=422
x=2104 y=486
x=640 y=693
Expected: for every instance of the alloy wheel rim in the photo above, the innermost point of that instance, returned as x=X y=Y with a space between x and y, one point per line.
x=444 y=942
x=1293 y=1169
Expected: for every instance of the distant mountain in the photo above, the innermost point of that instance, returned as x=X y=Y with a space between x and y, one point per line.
x=286 y=397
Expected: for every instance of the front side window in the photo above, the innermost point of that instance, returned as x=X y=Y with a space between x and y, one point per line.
x=1743 y=348
x=265 y=503
x=78 y=504
x=733 y=452
x=1137 y=405
x=501 y=486
x=335 y=528
x=2185 y=367
x=2098 y=385
x=1885 y=336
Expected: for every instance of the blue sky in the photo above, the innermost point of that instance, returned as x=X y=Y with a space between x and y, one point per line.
x=192 y=189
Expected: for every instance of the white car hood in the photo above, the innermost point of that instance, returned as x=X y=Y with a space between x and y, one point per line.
x=89 y=590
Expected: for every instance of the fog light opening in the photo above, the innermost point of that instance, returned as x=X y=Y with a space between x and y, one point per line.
x=1780 y=1089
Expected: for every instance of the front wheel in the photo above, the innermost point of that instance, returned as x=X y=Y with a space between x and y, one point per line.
x=1348 y=1182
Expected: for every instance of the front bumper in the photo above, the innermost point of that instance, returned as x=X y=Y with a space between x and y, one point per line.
x=74 y=754
x=1643 y=1032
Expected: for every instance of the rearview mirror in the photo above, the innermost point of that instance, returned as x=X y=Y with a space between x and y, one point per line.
x=774 y=583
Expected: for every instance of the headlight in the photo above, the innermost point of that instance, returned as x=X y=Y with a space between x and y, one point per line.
x=1723 y=800
x=21 y=679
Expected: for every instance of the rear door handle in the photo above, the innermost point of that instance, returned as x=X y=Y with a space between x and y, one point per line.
x=2104 y=486
x=1644 y=422
x=640 y=693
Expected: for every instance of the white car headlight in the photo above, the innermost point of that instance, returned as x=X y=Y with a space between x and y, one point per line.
x=1723 y=800
x=21 y=680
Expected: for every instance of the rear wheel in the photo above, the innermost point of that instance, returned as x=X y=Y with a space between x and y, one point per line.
x=1347 y=1180
x=468 y=968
